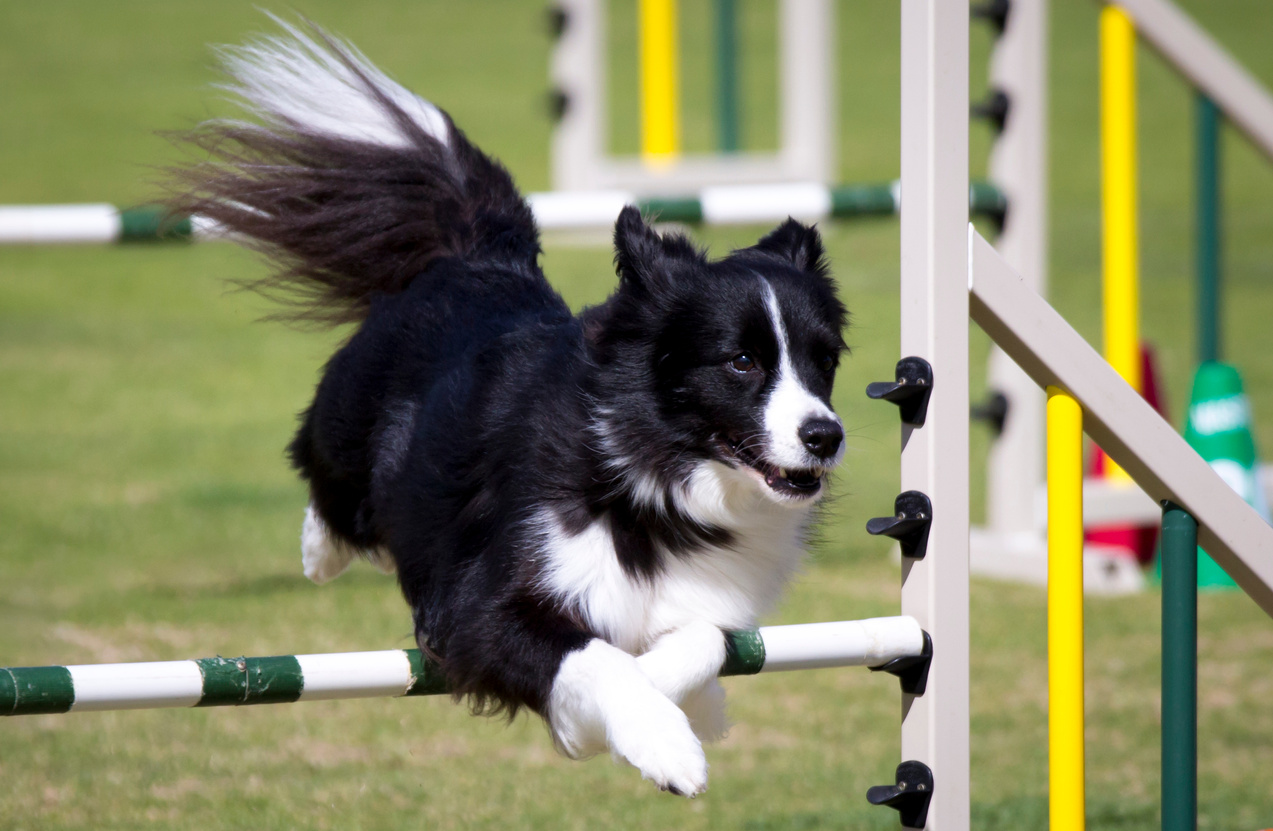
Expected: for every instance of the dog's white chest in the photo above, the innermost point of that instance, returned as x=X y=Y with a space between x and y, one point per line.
x=727 y=587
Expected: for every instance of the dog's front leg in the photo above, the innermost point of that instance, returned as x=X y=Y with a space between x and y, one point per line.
x=683 y=665
x=684 y=659
x=601 y=698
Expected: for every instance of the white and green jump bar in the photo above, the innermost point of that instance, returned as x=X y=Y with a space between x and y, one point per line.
x=894 y=644
x=554 y=211
x=96 y=223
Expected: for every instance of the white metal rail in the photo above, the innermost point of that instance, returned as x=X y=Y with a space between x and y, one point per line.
x=1123 y=423
x=1184 y=44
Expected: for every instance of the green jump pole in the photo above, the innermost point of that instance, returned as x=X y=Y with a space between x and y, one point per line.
x=727 y=75
x=1179 y=669
x=1207 y=127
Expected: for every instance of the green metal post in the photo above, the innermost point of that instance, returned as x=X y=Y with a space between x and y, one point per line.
x=1179 y=669
x=1207 y=120
x=727 y=74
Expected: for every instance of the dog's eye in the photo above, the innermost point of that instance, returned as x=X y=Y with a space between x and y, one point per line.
x=743 y=363
x=827 y=363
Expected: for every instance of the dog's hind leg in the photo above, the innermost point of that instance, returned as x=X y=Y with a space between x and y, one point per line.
x=601 y=698
x=323 y=556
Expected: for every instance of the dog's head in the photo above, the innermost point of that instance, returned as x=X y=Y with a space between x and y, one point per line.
x=730 y=362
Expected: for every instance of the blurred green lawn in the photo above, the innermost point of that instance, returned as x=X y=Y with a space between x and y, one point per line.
x=147 y=512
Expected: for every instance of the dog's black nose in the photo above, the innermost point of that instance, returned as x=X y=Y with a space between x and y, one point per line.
x=821 y=436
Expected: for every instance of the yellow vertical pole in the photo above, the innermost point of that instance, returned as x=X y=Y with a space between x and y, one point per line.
x=1120 y=245
x=660 y=81
x=1065 y=611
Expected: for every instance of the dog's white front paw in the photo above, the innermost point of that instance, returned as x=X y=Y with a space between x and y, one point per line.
x=655 y=737
x=684 y=659
x=601 y=698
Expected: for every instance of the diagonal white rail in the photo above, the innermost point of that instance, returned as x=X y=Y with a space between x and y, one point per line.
x=1126 y=427
x=1185 y=45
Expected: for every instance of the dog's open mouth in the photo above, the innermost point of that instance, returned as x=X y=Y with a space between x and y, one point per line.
x=796 y=483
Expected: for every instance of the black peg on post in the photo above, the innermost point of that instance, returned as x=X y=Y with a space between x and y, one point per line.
x=993 y=411
x=910 y=390
x=910 y=796
x=909 y=524
x=912 y=670
x=558 y=103
x=994 y=108
x=994 y=12
x=558 y=19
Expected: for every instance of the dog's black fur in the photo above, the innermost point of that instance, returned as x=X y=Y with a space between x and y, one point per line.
x=466 y=403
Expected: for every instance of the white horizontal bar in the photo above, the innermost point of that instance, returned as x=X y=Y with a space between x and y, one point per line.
x=1120 y=421
x=740 y=204
x=387 y=673
x=355 y=675
x=848 y=643
x=136 y=686
x=687 y=174
x=21 y=224
x=578 y=209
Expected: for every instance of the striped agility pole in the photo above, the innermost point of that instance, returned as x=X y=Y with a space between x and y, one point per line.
x=100 y=223
x=744 y=204
x=554 y=211
x=228 y=682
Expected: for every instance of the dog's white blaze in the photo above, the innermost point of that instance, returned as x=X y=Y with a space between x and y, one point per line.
x=294 y=82
x=790 y=404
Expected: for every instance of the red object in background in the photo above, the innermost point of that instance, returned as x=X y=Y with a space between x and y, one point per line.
x=1140 y=541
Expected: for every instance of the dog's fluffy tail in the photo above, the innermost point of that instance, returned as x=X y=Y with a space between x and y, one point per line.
x=348 y=182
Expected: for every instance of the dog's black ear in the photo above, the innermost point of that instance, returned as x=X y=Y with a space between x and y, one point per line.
x=637 y=246
x=799 y=243
x=641 y=256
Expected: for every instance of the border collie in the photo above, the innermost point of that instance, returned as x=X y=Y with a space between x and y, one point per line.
x=576 y=506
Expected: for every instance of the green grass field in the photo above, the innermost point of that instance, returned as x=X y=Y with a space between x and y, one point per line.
x=146 y=511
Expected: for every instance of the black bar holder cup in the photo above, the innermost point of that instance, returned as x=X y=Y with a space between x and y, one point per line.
x=994 y=108
x=912 y=670
x=994 y=12
x=909 y=524
x=910 y=390
x=994 y=411
x=910 y=796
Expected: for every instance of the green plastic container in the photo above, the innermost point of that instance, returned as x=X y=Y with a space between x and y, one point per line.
x=1218 y=426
